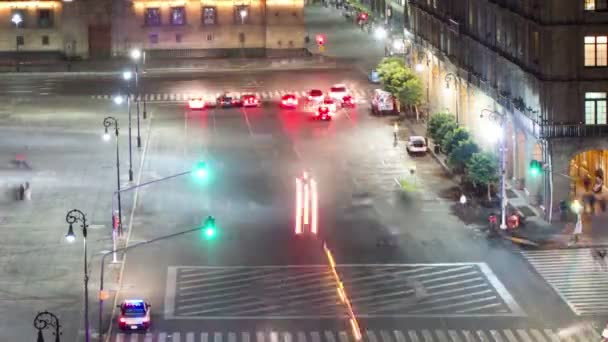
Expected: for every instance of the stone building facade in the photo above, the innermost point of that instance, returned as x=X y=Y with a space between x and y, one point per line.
x=543 y=64
x=43 y=26
x=209 y=27
x=172 y=28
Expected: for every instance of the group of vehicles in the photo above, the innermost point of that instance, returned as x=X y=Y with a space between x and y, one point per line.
x=325 y=105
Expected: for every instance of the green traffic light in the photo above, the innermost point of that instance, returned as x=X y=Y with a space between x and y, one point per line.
x=535 y=167
x=209 y=233
x=209 y=228
x=201 y=171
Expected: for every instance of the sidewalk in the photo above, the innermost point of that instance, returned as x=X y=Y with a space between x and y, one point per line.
x=164 y=66
x=536 y=232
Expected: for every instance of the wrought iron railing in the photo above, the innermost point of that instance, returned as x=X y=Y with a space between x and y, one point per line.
x=548 y=131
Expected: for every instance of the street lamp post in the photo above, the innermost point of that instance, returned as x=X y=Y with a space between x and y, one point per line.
x=135 y=55
x=16 y=19
x=107 y=123
x=45 y=320
x=448 y=78
x=420 y=69
x=127 y=76
x=503 y=163
x=72 y=217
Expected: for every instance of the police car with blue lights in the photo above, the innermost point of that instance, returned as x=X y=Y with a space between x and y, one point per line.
x=134 y=315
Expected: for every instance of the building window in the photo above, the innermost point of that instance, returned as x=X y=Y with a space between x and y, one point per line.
x=152 y=17
x=20 y=41
x=241 y=14
x=178 y=16
x=596 y=51
x=209 y=16
x=154 y=38
x=45 y=40
x=45 y=18
x=595 y=108
x=209 y=37
x=596 y=5
x=178 y=37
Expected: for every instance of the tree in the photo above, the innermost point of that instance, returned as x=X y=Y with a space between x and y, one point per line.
x=436 y=122
x=461 y=154
x=454 y=137
x=482 y=169
x=448 y=127
x=387 y=67
x=411 y=93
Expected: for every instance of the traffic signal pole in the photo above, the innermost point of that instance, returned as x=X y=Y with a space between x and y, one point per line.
x=102 y=295
x=118 y=192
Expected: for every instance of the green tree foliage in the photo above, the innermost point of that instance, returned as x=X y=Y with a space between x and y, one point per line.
x=400 y=81
x=461 y=154
x=436 y=123
x=482 y=170
x=452 y=138
x=412 y=92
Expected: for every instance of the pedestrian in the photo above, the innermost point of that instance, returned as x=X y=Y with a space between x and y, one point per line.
x=578 y=229
x=599 y=258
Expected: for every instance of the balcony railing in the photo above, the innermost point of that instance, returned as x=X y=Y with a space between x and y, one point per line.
x=549 y=131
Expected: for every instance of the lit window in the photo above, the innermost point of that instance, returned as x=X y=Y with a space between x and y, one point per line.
x=178 y=16
x=595 y=108
x=152 y=17
x=596 y=51
x=209 y=16
x=596 y=5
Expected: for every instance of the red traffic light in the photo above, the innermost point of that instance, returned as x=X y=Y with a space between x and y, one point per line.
x=320 y=39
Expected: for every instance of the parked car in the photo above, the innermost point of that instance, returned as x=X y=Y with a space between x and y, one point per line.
x=373 y=76
x=416 y=145
x=383 y=103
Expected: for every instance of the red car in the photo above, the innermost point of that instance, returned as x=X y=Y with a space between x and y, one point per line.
x=348 y=102
x=289 y=101
x=324 y=113
x=250 y=100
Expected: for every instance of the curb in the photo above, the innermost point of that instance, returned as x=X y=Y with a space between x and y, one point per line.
x=177 y=70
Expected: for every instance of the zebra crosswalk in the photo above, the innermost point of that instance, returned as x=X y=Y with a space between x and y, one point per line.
x=577 y=278
x=581 y=333
x=359 y=94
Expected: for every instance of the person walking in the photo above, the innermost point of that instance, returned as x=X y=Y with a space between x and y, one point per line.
x=578 y=229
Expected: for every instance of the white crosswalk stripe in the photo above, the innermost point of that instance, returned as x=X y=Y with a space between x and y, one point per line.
x=583 y=333
x=360 y=95
x=575 y=276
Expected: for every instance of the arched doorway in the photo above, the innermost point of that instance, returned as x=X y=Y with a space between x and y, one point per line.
x=587 y=172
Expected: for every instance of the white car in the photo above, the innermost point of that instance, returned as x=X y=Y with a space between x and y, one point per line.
x=337 y=92
x=315 y=96
x=134 y=315
x=330 y=103
x=416 y=144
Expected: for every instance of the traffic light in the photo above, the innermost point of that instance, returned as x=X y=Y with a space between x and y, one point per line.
x=201 y=170
x=363 y=17
x=320 y=40
x=535 y=167
x=209 y=228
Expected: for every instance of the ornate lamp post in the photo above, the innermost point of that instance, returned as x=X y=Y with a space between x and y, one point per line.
x=72 y=217
x=449 y=77
x=109 y=122
x=500 y=118
x=45 y=320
